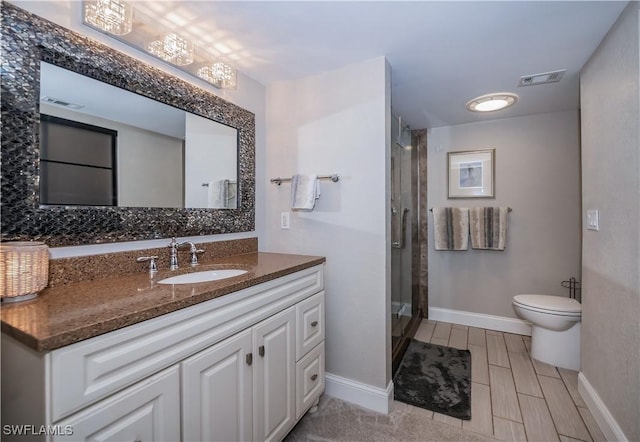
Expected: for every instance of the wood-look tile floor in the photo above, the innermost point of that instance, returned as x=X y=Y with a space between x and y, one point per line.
x=513 y=396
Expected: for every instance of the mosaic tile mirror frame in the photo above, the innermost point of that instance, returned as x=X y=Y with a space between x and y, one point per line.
x=26 y=41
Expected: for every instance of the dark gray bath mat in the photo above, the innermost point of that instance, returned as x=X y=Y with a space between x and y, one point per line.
x=436 y=378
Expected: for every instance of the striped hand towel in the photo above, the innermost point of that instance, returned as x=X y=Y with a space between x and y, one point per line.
x=488 y=228
x=451 y=228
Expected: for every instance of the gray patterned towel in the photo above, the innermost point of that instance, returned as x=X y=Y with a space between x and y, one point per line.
x=488 y=228
x=451 y=228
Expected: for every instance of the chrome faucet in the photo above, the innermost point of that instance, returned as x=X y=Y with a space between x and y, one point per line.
x=194 y=253
x=174 y=245
x=173 y=261
x=153 y=267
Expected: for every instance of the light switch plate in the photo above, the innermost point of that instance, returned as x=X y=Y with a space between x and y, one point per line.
x=593 y=216
x=285 y=220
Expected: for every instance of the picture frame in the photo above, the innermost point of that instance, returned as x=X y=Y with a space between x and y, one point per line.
x=471 y=174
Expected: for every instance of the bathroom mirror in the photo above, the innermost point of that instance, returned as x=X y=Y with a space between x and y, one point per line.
x=27 y=40
x=163 y=156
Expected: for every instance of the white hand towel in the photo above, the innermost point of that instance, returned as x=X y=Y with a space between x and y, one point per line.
x=217 y=194
x=305 y=190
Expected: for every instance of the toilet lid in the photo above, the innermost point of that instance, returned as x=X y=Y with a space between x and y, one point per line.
x=547 y=302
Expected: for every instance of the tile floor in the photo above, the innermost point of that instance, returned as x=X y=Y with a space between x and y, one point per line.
x=513 y=398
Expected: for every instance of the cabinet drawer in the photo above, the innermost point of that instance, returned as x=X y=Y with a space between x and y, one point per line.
x=309 y=379
x=309 y=324
x=147 y=411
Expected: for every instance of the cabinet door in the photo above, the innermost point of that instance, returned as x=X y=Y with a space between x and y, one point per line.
x=146 y=411
x=217 y=392
x=274 y=376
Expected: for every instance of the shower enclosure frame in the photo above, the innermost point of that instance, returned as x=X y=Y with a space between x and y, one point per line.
x=412 y=242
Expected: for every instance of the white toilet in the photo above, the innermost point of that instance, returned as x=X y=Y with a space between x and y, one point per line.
x=555 y=328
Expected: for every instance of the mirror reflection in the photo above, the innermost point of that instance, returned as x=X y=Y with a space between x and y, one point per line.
x=102 y=145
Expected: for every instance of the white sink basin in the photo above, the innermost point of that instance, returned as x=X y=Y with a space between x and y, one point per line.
x=205 y=276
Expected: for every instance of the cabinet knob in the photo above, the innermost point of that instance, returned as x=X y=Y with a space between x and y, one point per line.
x=261 y=350
x=314 y=323
x=249 y=358
x=314 y=377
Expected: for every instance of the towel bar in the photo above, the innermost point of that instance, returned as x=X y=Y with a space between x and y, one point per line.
x=207 y=184
x=509 y=209
x=335 y=178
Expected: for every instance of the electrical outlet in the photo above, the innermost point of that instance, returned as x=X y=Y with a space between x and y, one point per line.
x=285 y=220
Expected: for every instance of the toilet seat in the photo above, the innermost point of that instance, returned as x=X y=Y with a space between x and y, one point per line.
x=552 y=305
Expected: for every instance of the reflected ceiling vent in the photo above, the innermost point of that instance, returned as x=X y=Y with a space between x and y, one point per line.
x=58 y=102
x=545 y=78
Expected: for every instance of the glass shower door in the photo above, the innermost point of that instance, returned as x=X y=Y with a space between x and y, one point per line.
x=402 y=202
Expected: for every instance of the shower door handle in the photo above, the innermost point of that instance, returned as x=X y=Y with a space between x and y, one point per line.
x=400 y=244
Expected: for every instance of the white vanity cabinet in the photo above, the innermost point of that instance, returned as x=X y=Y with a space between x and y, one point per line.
x=243 y=388
x=245 y=366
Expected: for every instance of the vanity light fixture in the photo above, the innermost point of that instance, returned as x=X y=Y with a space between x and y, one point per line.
x=492 y=102
x=24 y=270
x=112 y=16
x=115 y=18
x=219 y=74
x=173 y=49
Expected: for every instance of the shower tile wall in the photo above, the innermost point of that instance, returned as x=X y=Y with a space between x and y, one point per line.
x=421 y=274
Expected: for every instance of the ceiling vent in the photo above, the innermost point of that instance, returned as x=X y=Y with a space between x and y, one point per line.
x=58 y=102
x=545 y=78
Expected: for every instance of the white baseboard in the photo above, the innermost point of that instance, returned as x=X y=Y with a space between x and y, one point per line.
x=498 y=323
x=599 y=410
x=363 y=395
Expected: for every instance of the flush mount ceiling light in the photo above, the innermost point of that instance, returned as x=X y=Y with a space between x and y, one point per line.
x=220 y=74
x=492 y=102
x=173 y=49
x=112 y=16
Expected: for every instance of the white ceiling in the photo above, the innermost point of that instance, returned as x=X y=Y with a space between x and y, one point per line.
x=442 y=54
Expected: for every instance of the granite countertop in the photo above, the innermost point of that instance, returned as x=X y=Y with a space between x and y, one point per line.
x=70 y=313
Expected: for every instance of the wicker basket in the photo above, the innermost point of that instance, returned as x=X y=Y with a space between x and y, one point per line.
x=24 y=269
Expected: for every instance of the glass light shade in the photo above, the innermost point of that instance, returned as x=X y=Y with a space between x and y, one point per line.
x=219 y=74
x=173 y=49
x=491 y=105
x=24 y=270
x=112 y=16
x=492 y=102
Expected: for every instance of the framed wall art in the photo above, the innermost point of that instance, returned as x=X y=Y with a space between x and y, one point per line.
x=471 y=174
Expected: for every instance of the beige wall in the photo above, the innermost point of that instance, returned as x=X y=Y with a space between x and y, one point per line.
x=337 y=122
x=611 y=256
x=537 y=174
